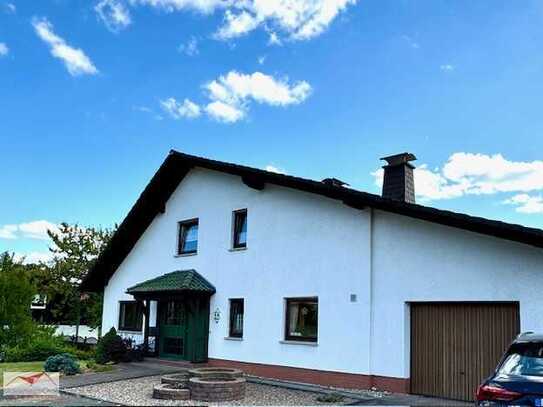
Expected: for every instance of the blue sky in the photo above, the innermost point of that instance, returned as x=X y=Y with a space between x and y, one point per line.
x=95 y=93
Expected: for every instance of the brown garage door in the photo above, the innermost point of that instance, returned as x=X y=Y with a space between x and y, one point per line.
x=454 y=346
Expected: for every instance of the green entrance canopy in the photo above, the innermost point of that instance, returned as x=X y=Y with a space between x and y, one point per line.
x=182 y=280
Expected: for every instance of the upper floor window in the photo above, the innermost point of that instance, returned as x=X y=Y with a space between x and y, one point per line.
x=188 y=237
x=302 y=319
x=130 y=316
x=240 y=229
x=236 y=318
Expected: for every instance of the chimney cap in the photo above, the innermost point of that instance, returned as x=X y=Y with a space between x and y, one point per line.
x=399 y=159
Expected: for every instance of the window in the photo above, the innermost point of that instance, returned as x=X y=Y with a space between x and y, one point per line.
x=523 y=359
x=188 y=237
x=236 y=318
x=240 y=229
x=130 y=316
x=301 y=319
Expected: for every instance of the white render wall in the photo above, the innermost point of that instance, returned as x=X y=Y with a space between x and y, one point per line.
x=298 y=246
x=421 y=261
x=301 y=244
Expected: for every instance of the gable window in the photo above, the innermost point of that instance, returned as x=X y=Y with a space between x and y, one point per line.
x=130 y=316
x=240 y=229
x=188 y=237
x=236 y=318
x=301 y=319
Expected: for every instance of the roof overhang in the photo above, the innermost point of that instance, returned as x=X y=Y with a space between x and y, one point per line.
x=177 y=165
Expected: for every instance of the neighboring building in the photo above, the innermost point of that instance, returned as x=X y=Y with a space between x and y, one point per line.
x=313 y=281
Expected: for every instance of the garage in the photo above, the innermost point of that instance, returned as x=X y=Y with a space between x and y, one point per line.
x=454 y=346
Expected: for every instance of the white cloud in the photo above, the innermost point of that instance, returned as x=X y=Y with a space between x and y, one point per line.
x=33 y=257
x=231 y=95
x=526 y=204
x=10 y=8
x=4 y=50
x=261 y=59
x=411 y=42
x=236 y=25
x=187 y=109
x=480 y=174
x=236 y=88
x=202 y=6
x=224 y=112
x=113 y=14
x=74 y=59
x=273 y=168
x=30 y=230
x=273 y=39
x=447 y=68
x=190 y=48
x=293 y=19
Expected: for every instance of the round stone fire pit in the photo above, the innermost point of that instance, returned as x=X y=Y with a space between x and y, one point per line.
x=168 y=391
x=213 y=389
x=215 y=372
x=177 y=379
x=202 y=384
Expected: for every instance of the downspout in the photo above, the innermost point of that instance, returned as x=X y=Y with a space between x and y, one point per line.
x=371 y=290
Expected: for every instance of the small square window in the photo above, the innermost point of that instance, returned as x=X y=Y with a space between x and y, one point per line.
x=188 y=237
x=236 y=318
x=240 y=229
x=130 y=316
x=301 y=319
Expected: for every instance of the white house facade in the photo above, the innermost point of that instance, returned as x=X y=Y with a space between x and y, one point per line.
x=312 y=281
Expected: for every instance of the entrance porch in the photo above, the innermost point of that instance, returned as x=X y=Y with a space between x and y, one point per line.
x=182 y=321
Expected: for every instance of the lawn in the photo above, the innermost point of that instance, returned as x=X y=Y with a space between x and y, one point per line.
x=38 y=367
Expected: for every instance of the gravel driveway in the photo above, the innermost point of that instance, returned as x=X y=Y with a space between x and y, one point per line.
x=136 y=392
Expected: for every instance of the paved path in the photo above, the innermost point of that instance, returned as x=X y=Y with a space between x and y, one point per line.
x=410 y=400
x=123 y=371
x=63 y=400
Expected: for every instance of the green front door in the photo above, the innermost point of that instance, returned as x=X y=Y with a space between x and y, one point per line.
x=173 y=332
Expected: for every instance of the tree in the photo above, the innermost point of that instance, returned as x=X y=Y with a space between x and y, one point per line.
x=75 y=249
x=16 y=294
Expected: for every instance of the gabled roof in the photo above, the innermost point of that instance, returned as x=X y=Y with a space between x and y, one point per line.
x=176 y=166
x=182 y=280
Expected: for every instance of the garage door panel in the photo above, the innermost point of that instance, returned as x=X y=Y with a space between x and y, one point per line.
x=454 y=346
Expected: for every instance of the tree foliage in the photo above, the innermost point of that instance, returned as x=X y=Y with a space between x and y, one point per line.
x=16 y=294
x=75 y=249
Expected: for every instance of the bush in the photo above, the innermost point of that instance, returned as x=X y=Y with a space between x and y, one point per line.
x=82 y=354
x=41 y=344
x=111 y=348
x=64 y=363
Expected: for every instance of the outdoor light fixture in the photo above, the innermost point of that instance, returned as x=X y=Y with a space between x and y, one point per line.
x=217 y=315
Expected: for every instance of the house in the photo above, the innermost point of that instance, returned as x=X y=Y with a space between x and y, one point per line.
x=315 y=282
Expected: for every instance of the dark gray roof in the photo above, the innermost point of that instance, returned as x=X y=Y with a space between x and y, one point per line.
x=177 y=165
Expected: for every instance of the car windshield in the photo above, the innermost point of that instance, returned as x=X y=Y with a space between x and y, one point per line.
x=524 y=360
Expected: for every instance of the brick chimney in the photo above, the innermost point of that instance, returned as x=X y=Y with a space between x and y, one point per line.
x=398 y=182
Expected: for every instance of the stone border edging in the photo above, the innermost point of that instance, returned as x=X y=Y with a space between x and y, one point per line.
x=314 y=388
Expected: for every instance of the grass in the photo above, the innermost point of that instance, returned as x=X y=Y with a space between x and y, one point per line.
x=86 y=366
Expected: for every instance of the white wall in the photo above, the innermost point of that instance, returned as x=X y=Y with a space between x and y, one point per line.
x=302 y=244
x=298 y=245
x=420 y=261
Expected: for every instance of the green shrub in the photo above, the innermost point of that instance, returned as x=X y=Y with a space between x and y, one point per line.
x=333 y=398
x=64 y=363
x=110 y=348
x=81 y=354
x=41 y=344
